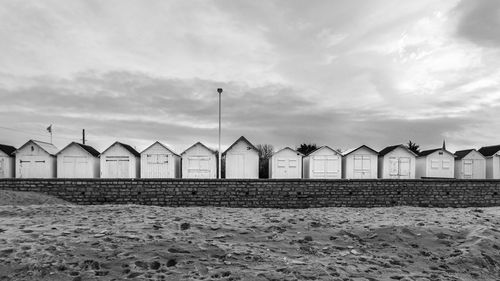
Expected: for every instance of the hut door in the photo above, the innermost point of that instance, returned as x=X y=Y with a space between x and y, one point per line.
x=325 y=166
x=2 y=167
x=238 y=171
x=118 y=166
x=319 y=165
x=362 y=167
x=75 y=166
x=157 y=166
x=393 y=167
x=404 y=168
x=199 y=167
x=468 y=169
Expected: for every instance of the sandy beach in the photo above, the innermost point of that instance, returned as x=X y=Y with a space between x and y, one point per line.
x=54 y=240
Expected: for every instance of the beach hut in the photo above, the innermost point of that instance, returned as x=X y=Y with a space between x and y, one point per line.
x=286 y=164
x=492 y=155
x=242 y=160
x=360 y=163
x=323 y=163
x=396 y=162
x=7 y=161
x=435 y=163
x=199 y=161
x=120 y=161
x=470 y=164
x=159 y=161
x=77 y=160
x=36 y=159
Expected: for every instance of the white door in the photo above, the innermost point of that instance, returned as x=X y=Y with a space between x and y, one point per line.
x=3 y=168
x=404 y=167
x=287 y=168
x=325 y=166
x=32 y=167
x=157 y=166
x=362 y=166
x=237 y=168
x=468 y=168
x=393 y=167
x=75 y=167
x=199 y=167
x=118 y=166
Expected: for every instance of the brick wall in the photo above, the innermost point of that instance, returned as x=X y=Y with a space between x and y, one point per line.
x=267 y=193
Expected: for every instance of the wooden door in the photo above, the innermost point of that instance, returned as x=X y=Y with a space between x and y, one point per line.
x=75 y=167
x=118 y=166
x=404 y=167
x=362 y=167
x=3 y=168
x=157 y=166
x=468 y=168
x=199 y=167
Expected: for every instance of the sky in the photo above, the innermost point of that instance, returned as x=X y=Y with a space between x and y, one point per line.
x=337 y=73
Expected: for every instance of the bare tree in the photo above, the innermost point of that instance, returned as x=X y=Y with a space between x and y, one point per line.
x=265 y=152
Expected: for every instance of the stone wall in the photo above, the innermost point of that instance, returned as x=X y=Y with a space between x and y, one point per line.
x=267 y=193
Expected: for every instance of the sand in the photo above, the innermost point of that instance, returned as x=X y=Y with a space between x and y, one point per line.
x=117 y=242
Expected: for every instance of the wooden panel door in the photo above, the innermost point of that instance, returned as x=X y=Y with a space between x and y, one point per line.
x=3 y=167
x=404 y=165
x=198 y=167
x=468 y=168
x=118 y=166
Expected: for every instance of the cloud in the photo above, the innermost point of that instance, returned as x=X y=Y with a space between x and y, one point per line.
x=331 y=72
x=138 y=108
x=480 y=22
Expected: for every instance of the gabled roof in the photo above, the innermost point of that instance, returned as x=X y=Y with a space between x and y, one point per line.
x=45 y=146
x=126 y=146
x=489 y=150
x=321 y=147
x=242 y=138
x=293 y=150
x=430 y=151
x=87 y=148
x=388 y=149
x=199 y=143
x=161 y=144
x=349 y=151
x=7 y=149
x=462 y=153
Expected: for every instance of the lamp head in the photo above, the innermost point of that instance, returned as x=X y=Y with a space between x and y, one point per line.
x=219 y=90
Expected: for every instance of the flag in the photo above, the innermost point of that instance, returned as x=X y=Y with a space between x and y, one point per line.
x=49 y=129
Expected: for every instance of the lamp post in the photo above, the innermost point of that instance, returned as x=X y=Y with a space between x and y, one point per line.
x=219 y=90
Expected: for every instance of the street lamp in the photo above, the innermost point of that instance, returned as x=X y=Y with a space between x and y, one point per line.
x=219 y=90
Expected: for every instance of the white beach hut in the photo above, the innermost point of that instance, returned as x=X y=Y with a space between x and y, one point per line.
x=286 y=164
x=242 y=160
x=36 y=159
x=470 y=164
x=159 y=161
x=120 y=161
x=323 y=163
x=435 y=163
x=77 y=160
x=396 y=162
x=492 y=155
x=360 y=163
x=7 y=163
x=199 y=161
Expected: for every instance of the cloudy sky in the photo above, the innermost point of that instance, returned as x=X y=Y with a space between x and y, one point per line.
x=337 y=73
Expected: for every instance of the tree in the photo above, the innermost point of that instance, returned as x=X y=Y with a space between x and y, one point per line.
x=413 y=147
x=307 y=148
x=265 y=152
